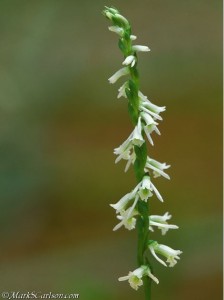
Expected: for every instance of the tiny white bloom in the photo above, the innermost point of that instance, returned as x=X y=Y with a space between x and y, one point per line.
x=133 y=37
x=150 y=126
x=149 y=105
x=129 y=60
x=145 y=189
x=131 y=160
x=150 y=108
x=161 y=222
x=170 y=254
x=136 y=137
x=123 y=151
x=122 y=204
x=140 y=48
x=121 y=90
x=157 y=167
x=126 y=205
x=127 y=219
x=126 y=150
x=135 y=278
x=117 y=29
x=122 y=72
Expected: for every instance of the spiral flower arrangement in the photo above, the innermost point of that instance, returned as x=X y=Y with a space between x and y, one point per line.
x=132 y=210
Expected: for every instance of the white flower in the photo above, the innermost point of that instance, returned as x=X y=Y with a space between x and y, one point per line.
x=140 y=48
x=135 y=278
x=149 y=105
x=122 y=204
x=170 y=254
x=150 y=126
x=126 y=205
x=121 y=90
x=133 y=37
x=126 y=150
x=150 y=108
x=117 y=29
x=129 y=60
x=136 y=137
x=161 y=222
x=127 y=219
x=122 y=72
x=145 y=189
x=157 y=167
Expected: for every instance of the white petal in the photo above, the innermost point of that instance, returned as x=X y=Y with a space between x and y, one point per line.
x=156 y=257
x=118 y=74
x=140 y=48
x=129 y=60
x=153 y=277
x=116 y=29
x=156 y=192
x=123 y=278
x=133 y=37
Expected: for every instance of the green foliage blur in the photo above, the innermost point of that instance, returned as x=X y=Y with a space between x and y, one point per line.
x=60 y=121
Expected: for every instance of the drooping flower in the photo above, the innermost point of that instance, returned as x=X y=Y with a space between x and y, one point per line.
x=121 y=90
x=157 y=167
x=126 y=219
x=126 y=205
x=133 y=37
x=154 y=108
x=140 y=48
x=150 y=126
x=118 y=30
x=170 y=254
x=161 y=223
x=136 y=137
x=126 y=150
x=124 y=202
x=129 y=60
x=135 y=278
x=122 y=72
x=146 y=188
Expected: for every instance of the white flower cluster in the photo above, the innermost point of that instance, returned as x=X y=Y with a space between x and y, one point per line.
x=147 y=121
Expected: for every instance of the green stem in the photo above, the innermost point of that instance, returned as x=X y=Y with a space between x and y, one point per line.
x=143 y=207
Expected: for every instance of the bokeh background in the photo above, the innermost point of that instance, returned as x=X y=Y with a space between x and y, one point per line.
x=60 y=121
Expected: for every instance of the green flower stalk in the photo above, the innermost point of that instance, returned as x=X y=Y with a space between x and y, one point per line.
x=133 y=209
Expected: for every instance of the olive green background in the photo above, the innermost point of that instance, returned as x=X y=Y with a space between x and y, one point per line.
x=60 y=121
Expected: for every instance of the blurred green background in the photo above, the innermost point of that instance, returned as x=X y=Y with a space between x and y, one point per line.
x=60 y=121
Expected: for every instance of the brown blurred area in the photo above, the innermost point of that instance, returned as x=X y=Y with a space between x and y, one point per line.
x=60 y=121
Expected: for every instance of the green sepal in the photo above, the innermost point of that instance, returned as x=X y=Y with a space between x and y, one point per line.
x=140 y=161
